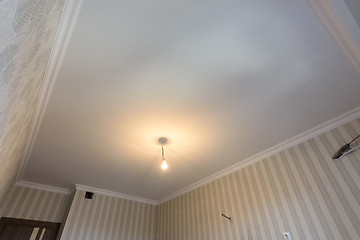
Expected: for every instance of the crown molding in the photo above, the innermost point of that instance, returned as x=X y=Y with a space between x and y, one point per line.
x=42 y=187
x=63 y=34
x=115 y=194
x=300 y=138
x=80 y=187
x=340 y=24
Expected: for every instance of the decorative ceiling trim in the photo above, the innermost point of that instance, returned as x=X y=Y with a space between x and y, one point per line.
x=314 y=132
x=65 y=29
x=42 y=187
x=115 y=194
x=300 y=138
x=329 y=14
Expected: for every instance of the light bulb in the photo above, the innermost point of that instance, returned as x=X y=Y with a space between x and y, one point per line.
x=164 y=165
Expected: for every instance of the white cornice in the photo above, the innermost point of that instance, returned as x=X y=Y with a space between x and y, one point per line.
x=80 y=187
x=300 y=138
x=314 y=132
x=115 y=194
x=42 y=187
x=343 y=31
x=66 y=26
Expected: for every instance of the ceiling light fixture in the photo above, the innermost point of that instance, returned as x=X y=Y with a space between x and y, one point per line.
x=163 y=141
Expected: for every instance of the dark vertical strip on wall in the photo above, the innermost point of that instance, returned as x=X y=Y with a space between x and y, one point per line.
x=200 y=220
x=238 y=231
x=242 y=203
x=118 y=220
x=257 y=201
x=204 y=209
x=221 y=208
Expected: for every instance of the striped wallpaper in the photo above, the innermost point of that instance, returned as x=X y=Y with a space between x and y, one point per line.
x=34 y=204
x=300 y=190
x=106 y=217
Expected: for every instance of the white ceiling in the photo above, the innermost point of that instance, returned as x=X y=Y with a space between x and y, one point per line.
x=223 y=80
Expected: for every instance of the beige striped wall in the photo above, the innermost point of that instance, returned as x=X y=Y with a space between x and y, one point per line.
x=106 y=217
x=33 y=204
x=300 y=190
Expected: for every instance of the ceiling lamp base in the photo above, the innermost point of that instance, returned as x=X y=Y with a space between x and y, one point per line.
x=163 y=140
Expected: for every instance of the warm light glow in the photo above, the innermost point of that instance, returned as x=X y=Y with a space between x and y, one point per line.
x=137 y=137
x=164 y=165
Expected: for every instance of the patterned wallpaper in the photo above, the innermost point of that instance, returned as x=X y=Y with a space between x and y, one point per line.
x=34 y=204
x=300 y=190
x=106 y=217
x=27 y=31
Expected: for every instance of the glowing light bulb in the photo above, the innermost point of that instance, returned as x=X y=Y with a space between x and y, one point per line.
x=164 y=165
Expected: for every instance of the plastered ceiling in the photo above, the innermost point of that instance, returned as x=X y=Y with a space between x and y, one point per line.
x=222 y=80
